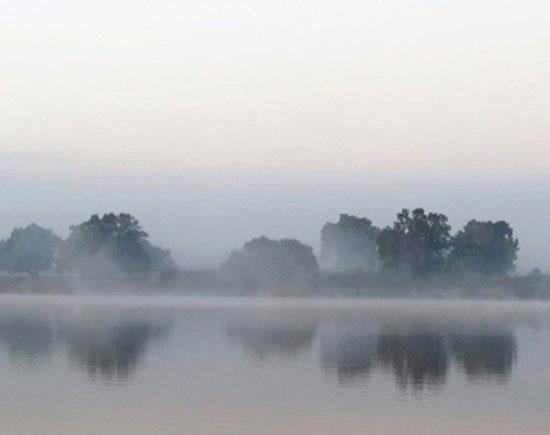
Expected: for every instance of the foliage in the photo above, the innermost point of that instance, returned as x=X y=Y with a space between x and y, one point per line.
x=485 y=247
x=29 y=250
x=417 y=242
x=265 y=263
x=349 y=245
x=110 y=244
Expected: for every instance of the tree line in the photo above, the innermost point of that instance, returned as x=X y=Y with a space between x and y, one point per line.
x=419 y=245
x=114 y=244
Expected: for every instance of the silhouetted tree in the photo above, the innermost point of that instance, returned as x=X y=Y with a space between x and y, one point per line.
x=417 y=242
x=349 y=245
x=265 y=263
x=111 y=243
x=488 y=248
x=29 y=250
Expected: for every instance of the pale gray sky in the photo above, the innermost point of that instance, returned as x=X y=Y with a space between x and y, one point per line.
x=272 y=116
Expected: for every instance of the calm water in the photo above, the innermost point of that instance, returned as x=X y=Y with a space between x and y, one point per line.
x=83 y=365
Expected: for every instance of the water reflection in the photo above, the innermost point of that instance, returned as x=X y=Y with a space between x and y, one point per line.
x=483 y=356
x=419 y=360
x=107 y=347
x=415 y=360
x=111 y=353
x=110 y=345
x=263 y=343
x=28 y=340
x=352 y=356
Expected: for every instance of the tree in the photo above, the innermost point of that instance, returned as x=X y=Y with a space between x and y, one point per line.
x=160 y=259
x=29 y=250
x=486 y=247
x=417 y=242
x=349 y=244
x=107 y=245
x=273 y=264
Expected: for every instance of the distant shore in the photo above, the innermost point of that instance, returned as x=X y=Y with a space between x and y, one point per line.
x=69 y=285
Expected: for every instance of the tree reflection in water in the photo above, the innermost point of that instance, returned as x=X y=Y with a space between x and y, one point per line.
x=107 y=348
x=263 y=342
x=352 y=356
x=111 y=353
x=485 y=356
x=419 y=360
x=28 y=339
x=415 y=360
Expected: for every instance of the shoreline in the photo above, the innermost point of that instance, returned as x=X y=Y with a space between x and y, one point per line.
x=71 y=285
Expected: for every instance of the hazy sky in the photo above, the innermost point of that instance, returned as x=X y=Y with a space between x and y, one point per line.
x=216 y=120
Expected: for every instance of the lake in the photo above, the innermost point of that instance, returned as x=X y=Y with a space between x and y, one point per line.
x=169 y=365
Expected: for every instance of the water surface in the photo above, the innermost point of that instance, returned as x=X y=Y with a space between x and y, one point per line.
x=143 y=365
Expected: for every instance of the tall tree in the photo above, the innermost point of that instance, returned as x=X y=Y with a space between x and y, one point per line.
x=417 y=242
x=485 y=247
x=115 y=242
x=29 y=250
x=349 y=244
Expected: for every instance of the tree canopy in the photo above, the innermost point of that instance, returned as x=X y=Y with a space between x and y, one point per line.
x=265 y=263
x=484 y=247
x=417 y=242
x=29 y=250
x=115 y=242
x=349 y=244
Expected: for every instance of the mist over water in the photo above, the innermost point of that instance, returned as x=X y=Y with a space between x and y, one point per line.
x=210 y=210
x=215 y=365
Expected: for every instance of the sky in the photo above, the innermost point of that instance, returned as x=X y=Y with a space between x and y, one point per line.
x=216 y=121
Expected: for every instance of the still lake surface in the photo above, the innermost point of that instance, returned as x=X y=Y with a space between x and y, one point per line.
x=162 y=365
